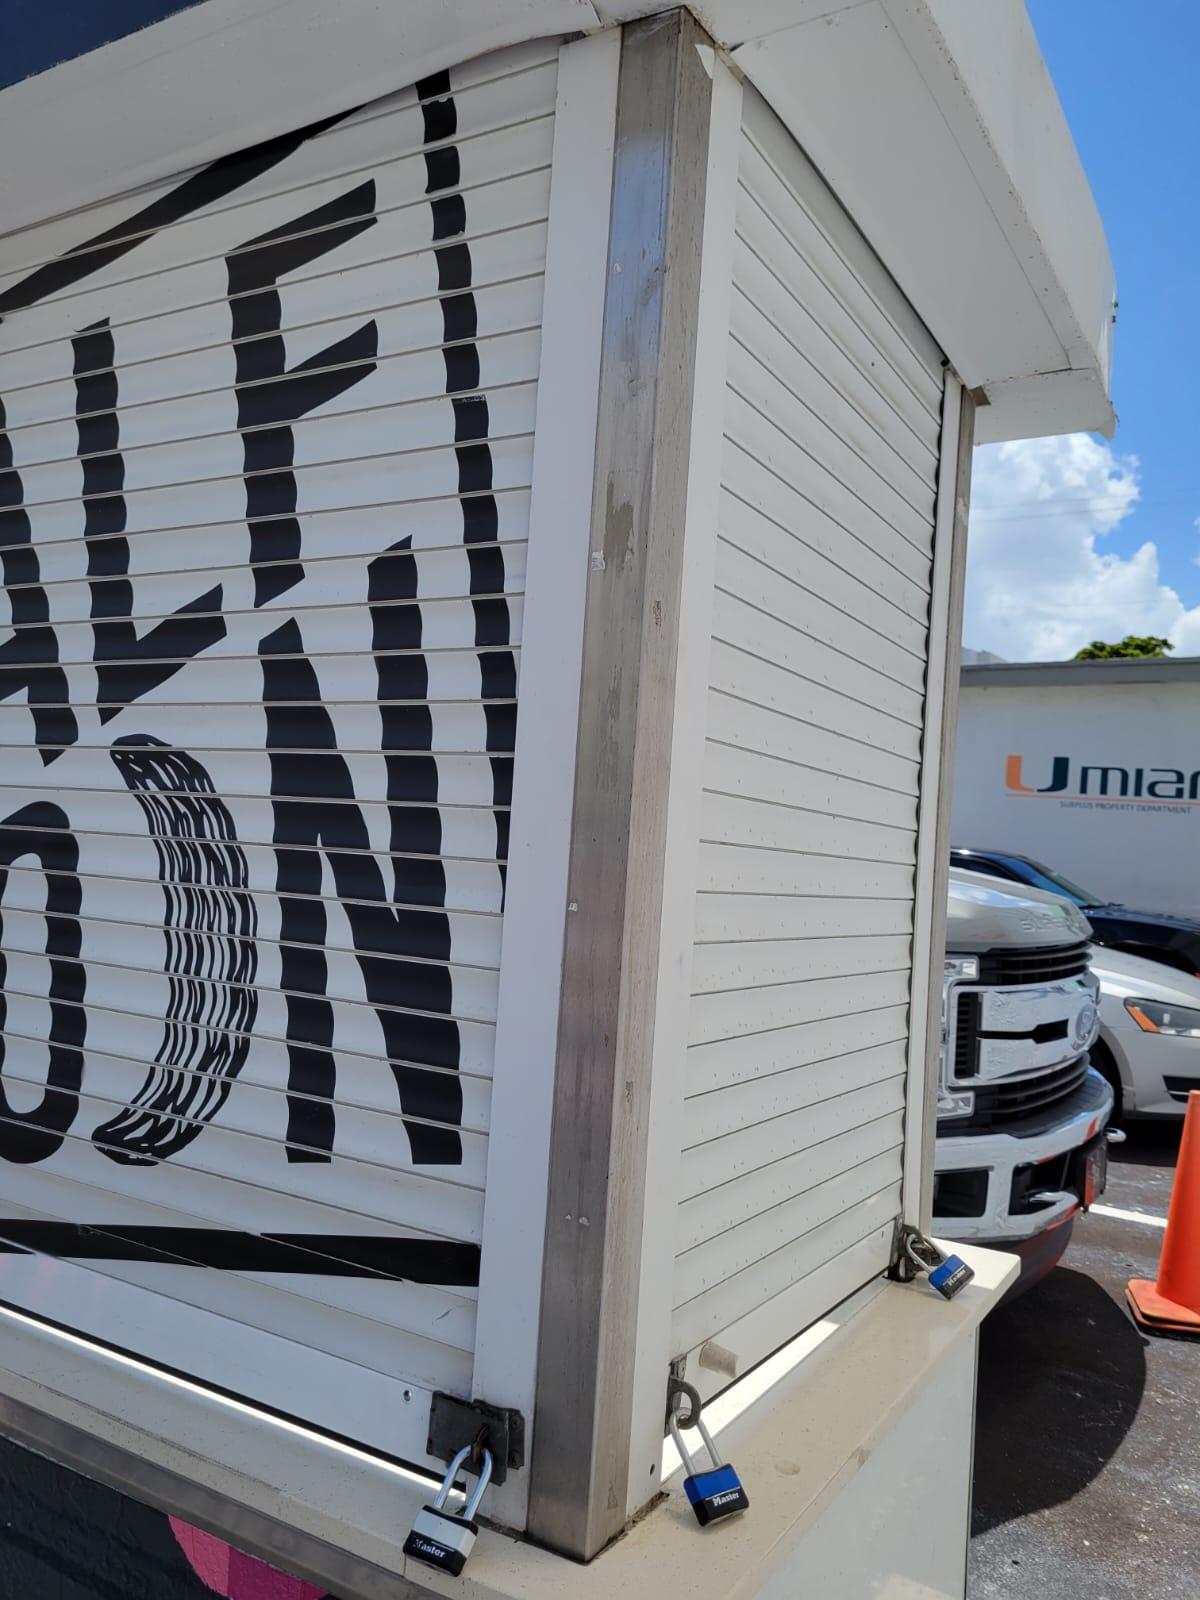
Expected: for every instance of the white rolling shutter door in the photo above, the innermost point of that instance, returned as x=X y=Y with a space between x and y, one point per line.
x=793 y=1120
x=264 y=478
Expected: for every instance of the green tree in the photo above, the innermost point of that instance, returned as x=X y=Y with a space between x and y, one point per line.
x=1130 y=645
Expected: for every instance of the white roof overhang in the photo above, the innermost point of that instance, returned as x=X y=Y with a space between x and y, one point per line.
x=935 y=121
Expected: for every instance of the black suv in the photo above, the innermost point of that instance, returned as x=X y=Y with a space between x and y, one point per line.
x=1153 y=935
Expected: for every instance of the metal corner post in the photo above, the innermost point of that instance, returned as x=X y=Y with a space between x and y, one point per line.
x=600 y=1130
x=936 y=797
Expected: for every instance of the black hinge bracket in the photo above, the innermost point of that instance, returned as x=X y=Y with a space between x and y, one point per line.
x=455 y=1423
x=902 y=1268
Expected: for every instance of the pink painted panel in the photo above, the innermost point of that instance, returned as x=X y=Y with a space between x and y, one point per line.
x=234 y=1574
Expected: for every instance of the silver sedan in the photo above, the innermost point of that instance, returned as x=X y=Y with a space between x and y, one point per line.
x=1149 y=1044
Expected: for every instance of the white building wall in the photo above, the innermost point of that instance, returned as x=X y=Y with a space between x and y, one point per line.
x=1124 y=836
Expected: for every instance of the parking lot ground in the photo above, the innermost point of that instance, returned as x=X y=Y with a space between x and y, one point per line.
x=1087 y=1443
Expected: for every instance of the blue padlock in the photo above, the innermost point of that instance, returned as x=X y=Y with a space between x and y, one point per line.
x=947 y=1274
x=713 y=1494
x=953 y=1274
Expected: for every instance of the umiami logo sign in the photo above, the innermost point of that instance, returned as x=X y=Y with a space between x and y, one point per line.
x=1100 y=783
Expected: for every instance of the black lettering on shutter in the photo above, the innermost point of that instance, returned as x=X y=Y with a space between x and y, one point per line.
x=472 y=424
x=43 y=830
x=29 y=659
x=315 y=811
x=127 y=666
x=203 y=188
x=270 y=396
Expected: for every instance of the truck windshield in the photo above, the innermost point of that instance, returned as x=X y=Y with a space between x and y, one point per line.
x=1046 y=878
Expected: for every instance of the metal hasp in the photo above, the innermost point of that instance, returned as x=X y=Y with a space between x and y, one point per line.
x=456 y=1424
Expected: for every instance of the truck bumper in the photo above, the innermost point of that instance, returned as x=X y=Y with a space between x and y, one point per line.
x=1019 y=1190
x=1038 y=1255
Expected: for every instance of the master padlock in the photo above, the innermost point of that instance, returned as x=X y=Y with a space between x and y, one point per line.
x=717 y=1492
x=438 y=1537
x=947 y=1274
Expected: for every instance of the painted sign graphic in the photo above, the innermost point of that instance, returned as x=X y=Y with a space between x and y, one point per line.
x=1072 y=779
x=257 y=710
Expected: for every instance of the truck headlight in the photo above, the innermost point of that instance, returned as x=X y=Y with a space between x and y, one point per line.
x=1087 y=1026
x=955 y=1103
x=962 y=969
x=1152 y=1016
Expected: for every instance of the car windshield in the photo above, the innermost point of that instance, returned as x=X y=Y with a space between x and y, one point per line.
x=1045 y=878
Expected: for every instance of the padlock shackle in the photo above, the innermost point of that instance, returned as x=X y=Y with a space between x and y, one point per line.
x=485 y=1477
x=689 y=1466
x=697 y=1422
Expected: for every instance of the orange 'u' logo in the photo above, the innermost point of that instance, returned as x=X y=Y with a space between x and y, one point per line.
x=1012 y=776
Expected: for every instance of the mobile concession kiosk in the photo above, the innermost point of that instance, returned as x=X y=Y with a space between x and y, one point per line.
x=483 y=490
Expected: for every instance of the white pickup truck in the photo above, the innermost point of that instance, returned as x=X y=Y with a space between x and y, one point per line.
x=1021 y=1113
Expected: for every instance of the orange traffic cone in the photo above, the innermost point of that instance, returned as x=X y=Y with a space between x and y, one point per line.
x=1172 y=1305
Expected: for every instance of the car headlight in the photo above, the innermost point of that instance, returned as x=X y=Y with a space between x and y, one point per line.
x=962 y=969
x=1152 y=1016
x=955 y=1103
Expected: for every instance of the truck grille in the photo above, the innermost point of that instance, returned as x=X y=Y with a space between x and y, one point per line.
x=1010 y=968
x=966 y=1036
x=1010 y=1099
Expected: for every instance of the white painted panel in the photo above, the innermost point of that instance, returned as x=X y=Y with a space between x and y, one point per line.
x=732 y=1013
x=754 y=680
x=757 y=446
x=266 y=450
x=784 y=780
x=766 y=309
x=728 y=1063
x=841 y=1134
x=843 y=1212
x=777 y=272
x=723 y=1111
x=736 y=965
x=786 y=598
x=760 y=1145
x=762 y=822
x=721 y=917
x=803 y=424
x=873 y=592
x=818 y=227
x=730 y=869
x=792 y=1125
x=741 y=623
x=743 y=1247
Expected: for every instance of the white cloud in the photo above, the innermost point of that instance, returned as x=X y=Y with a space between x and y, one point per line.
x=1039 y=583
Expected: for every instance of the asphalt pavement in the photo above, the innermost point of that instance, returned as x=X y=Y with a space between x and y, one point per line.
x=1087 y=1442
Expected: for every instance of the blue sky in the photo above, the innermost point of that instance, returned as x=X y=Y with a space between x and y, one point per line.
x=1127 y=543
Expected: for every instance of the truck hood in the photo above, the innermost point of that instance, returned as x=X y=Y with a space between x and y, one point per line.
x=989 y=913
